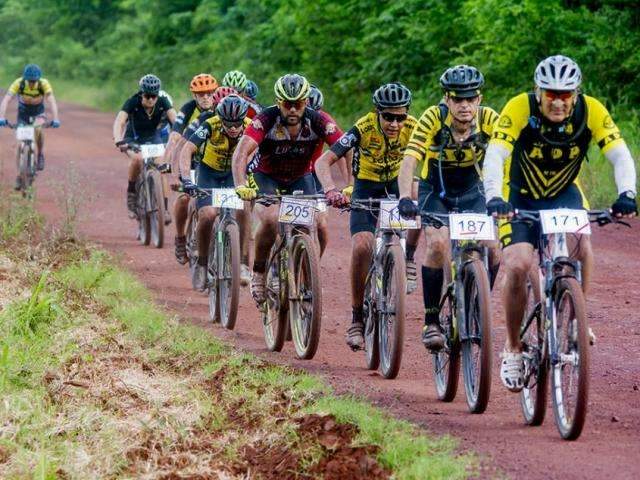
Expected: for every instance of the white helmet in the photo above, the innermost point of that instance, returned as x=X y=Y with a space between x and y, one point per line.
x=558 y=73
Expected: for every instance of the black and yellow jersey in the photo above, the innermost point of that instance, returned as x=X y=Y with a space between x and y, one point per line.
x=545 y=157
x=187 y=115
x=375 y=156
x=22 y=88
x=432 y=140
x=219 y=148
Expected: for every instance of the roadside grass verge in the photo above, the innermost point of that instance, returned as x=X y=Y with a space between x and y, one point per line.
x=99 y=383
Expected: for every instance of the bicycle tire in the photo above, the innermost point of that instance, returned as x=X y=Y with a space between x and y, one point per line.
x=304 y=289
x=144 y=223
x=212 y=278
x=24 y=167
x=191 y=236
x=156 y=208
x=370 y=310
x=446 y=363
x=533 y=397
x=477 y=298
x=229 y=284
x=576 y=339
x=275 y=309
x=392 y=312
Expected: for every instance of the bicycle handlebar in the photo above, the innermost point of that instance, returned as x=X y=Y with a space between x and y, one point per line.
x=14 y=126
x=601 y=217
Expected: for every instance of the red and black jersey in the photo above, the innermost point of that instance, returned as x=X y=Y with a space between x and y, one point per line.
x=285 y=158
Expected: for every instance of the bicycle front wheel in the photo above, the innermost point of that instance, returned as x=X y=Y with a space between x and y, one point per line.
x=144 y=222
x=305 y=297
x=391 y=312
x=229 y=277
x=274 y=309
x=476 y=343
x=570 y=368
x=370 y=310
x=156 y=208
x=446 y=362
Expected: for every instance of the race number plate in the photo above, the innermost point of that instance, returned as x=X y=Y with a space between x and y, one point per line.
x=297 y=211
x=226 y=198
x=565 y=220
x=471 y=226
x=152 y=151
x=25 y=133
x=390 y=217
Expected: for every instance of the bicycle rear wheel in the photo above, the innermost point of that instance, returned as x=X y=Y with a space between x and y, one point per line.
x=229 y=278
x=156 y=208
x=391 y=313
x=275 y=308
x=533 y=397
x=144 y=222
x=446 y=362
x=305 y=296
x=570 y=373
x=476 y=345
x=370 y=310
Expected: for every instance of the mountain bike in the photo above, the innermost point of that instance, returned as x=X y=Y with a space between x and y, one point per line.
x=465 y=310
x=223 y=267
x=293 y=290
x=554 y=331
x=150 y=196
x=26 y=153
x=385 y=288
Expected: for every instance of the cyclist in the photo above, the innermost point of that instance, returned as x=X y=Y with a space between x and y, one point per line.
x=250 y=94
x=544 y=136
x=32 y=90
x=137 y=122
x=202 y=87
x=219 y=135
x=378 y=140
x=449 y=142
x=285 y=136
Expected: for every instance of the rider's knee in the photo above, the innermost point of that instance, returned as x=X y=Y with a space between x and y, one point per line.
x=436 y=248
x=362 y=243
x=206 y=216
x=517 y=261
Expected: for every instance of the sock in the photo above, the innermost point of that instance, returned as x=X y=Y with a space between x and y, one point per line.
x=432 y=279
x=357 y=314
x=411 y=250
x=259 y=266
x=131 y=187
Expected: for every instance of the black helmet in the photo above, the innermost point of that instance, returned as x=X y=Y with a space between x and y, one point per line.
x=251 y=90
x=291 y=87
x=150 y=84
x=392 y=95
x=232 y=108
x=462 y=81
x=316 y=99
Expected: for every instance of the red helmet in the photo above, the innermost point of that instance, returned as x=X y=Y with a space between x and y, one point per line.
x=203 y=83
x=222 y=92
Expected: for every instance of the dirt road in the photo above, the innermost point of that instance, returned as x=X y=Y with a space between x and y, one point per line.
x=610 y=444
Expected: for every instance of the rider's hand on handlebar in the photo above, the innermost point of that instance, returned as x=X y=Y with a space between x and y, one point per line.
x=245 y=192
x=498 y=208
x=187 y=185
x=335 y=198
x=3 y=122
x=407 y=209
x=348 y=191
x=625 y=205
x=123 y=146
x=55 y=123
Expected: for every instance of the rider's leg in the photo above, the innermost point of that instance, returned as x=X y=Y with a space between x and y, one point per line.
x=165 y=195
x=180 y=212
x=265 y=237
x=323 y=231
x=580 y=249
x=244 y=226
x=135 y=167
x=436 y=255
x=413 y=237
x=495 y=256
x=517 y=260
x=39 y=121
x=206 y=217
x=362 y=244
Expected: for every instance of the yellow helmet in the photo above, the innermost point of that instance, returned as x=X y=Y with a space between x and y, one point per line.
x=291 y=87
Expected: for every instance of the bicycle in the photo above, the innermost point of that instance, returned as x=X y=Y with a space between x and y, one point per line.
x=292 y=282
x=150 y=196
x=465 y=310
x=26 y=135
x=554 y=331
x=385 y=288
x=223 y=267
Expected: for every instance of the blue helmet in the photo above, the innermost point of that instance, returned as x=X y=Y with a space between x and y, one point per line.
x=251 y=90
x=32 y=72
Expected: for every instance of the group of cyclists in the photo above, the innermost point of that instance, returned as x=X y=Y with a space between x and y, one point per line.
x=458 y=155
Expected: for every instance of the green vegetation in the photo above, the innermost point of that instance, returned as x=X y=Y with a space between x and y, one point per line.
x=347 y=48
x=98 y=383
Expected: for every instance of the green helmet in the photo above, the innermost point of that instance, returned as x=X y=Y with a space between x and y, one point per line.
x=235 y=79
x=292 y=87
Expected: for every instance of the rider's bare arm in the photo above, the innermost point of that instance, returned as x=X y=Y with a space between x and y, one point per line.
x=323 y=169
x=5 y=103
x=405 y=177
x=119 y=125
x=624 y=170
x=492 y=172
x=344 y=165
x=186 y=153
x=51 y=100
x=243 y=152
x=172 y=115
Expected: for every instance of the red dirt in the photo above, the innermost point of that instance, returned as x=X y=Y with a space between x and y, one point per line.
x=608 y=447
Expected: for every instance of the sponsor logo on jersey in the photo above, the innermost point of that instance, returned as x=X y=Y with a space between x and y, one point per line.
x=608 y=122
x=257 y=124
x=330 y=129
x=505 y=121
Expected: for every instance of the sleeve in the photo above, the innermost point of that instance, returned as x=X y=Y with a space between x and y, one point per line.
x=129 y=105
x=14 y=88
x=624 y=170
x=604 y=131
x=493 y=170
x=512 y=120
x=258 y=128
x=346 y=142
x=201 y=135
x=46 y=86
x=193 y=126
x=424 y=131
x=185 y=113
x=330 y=130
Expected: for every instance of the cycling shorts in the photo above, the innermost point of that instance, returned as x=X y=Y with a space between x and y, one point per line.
x=363 y=220
x=210 y=178
x=28 y=113
x=431 y=201
x=271 y=186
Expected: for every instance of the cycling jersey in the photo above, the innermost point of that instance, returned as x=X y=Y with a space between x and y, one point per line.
x=545 y=157
x=187 y=114
x=21 y=88
x=375 y=157
x=281 y=156
x=219 y=147
x=432 y=140
x=142 y=125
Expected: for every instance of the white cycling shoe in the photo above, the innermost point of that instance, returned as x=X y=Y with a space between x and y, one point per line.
x=512 y=371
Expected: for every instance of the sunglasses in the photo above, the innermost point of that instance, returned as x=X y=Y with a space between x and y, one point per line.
x=149 y=96
x=391 y=117
x=297 y=105
x=553 y=95
x=458 y=100
x=237 y=124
